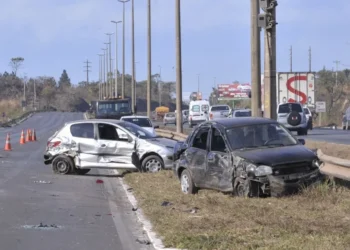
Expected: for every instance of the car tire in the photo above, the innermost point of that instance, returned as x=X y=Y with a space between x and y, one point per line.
x=187 y=184
x=62 y=164
x=241 y=188
x=152 y=164
x=80 y=171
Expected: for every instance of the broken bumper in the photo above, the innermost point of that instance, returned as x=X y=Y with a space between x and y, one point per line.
x=48 y=158
x=281 y=187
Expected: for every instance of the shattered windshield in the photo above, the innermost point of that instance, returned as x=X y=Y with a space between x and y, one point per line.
x=137 y=130
x=119 y=107
x=259 y=135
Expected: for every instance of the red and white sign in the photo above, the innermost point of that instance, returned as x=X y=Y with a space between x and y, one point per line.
x=233 y=91
x=296 y=87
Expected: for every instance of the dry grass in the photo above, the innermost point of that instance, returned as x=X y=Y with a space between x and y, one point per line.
x=11 y=107
x=318 y=218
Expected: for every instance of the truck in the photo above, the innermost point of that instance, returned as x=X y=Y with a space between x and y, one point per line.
x=113 y=108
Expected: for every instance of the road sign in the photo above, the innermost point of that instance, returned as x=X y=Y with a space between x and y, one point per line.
x=320 y=107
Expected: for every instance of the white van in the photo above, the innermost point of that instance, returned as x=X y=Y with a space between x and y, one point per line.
x=198 y=112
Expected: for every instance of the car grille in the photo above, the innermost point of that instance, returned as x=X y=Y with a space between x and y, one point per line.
x=293 y=168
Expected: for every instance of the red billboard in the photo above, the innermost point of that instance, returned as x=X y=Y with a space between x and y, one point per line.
x=233 y=91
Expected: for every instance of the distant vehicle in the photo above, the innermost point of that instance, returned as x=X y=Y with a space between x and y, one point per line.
x=184 y=115
x=113 y=108
x=219 y=111
x=292 y=116
x=107 y=144
x=142 y=121
x=249 y=156
x=198 y=112
x=169 y=118
x=308 y=114
x=241 y=113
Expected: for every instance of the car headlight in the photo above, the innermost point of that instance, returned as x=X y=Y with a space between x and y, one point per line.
x=316 y=163
x=263 y=170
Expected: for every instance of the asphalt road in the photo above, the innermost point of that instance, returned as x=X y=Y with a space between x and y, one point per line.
x=40 y=210
x=318 y=134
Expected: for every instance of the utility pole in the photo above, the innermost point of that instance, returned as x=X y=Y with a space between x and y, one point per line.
x=310 y=59
x=255 y=59
x=197 y=86
x=87 y=70
x=149 y=78
x=159 y=85
x=110 y=64
x=107 y=70
x=34 y=95
x=135 y=83
x=291 y=59
x=104 y=85
x=123 y=75
x=116 y=58
x=336 y=71
x=268 y=21
x=100 y=75
x=133 y=100
x=179 y=125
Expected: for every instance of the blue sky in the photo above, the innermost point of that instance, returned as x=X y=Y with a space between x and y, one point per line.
x=61 y=34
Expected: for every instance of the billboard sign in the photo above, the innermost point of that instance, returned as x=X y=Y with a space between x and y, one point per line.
x=233 y=91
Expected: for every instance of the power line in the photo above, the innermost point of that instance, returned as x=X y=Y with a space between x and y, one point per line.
x=87 y=70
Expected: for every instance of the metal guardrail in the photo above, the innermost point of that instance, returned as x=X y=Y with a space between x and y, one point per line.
x=333 y=166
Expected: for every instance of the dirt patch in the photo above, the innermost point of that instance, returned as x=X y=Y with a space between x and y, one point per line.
x=331 y=149
x=318 y=218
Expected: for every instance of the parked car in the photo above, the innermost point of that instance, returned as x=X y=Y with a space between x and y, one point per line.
x=309 y=118
x=249 y=156
x=292 y=116
x=142 y=121
x=198 y=112
x=219 y=111
x=241 y=113
x=169 y=118
x=107 y=144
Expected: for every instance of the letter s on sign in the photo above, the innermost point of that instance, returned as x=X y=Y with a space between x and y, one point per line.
x=294 y=91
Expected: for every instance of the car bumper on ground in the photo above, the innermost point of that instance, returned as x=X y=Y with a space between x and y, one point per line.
x=280 y=187
x=48 y=158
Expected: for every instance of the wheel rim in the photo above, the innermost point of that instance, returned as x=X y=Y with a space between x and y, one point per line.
x=240 y=190
x=185 y=183
x=62 y=166
x=153 y=165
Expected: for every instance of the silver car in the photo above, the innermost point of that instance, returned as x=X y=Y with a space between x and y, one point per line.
x=293 y=117
x=169 y=118
x=107 y=144
x=219 y=111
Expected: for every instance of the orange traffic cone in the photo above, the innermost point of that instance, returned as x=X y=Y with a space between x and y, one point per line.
x=8 y=143
x=22 y=140
x=28 y=136
x=33 y=138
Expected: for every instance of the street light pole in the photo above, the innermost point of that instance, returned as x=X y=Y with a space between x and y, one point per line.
x=109 y=70
x=116 y=58
x=100 y=76
x=123 y=76
x=159 y=85
x=149 y=78
x=107 y=67
x=133 y=100
x=179 y=125
x=104 y=87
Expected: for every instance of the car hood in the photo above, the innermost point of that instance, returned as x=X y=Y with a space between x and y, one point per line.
x=151 y=130
x=278 y=155
x=164 y=142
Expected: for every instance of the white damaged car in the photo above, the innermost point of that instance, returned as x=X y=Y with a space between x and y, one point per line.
x=107 y=144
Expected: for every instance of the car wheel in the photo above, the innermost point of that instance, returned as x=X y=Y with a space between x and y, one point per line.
x=80 y=171
x=187 y=185
x=152 y=164
x=62 y=164
x=241 y=188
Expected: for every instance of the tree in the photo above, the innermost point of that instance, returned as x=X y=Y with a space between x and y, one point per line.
x=15 y=64
x=64 y=80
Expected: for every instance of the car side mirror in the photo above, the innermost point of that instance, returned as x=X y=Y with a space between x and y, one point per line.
x=130 y=139
x=156 y=126
x=301 y=141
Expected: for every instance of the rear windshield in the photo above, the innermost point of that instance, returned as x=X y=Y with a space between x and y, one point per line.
x=289 y=107
x=219 y=108
x=306 y=111
x=243 y=113
x=170 y=115
x=142 y=122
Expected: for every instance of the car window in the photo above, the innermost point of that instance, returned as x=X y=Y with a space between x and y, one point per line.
x=217 y=141
x=219 y=108
x=107 y=132
x=243 y=113
x=170 y=115
x=82 y=130
x=289 y=107
x=306 y=111
x=142 y=122
x=122 y=135
x=260 y=135
x=137 y=130
x=195 y=108
x=200 y=139
x=205 y=107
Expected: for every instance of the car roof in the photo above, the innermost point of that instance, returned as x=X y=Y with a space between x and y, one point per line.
x=240 y=121
x=135 y=116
